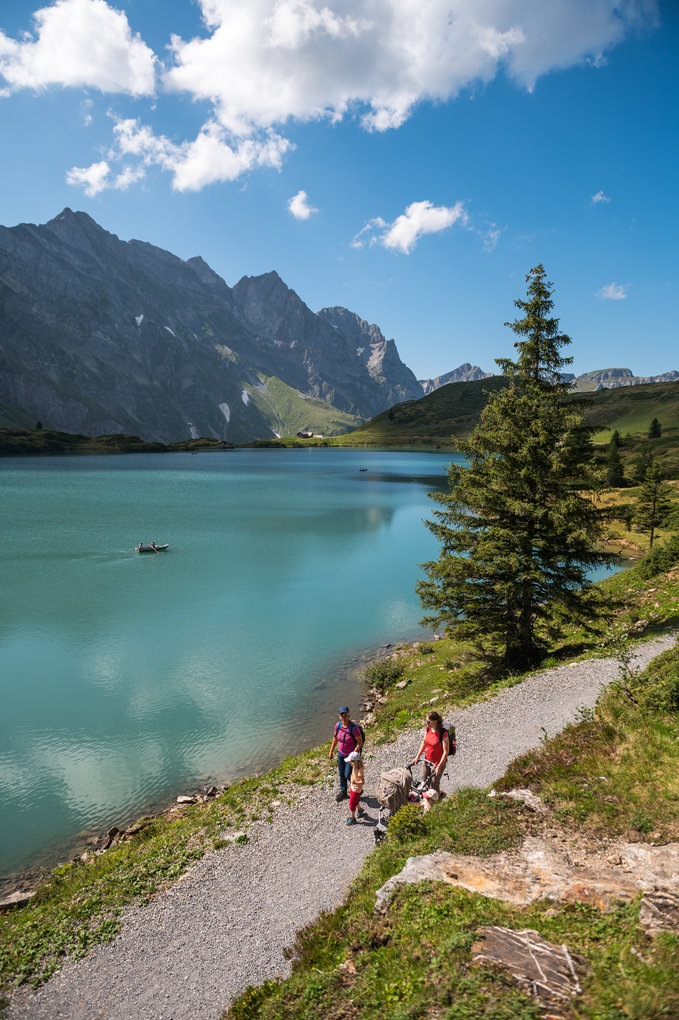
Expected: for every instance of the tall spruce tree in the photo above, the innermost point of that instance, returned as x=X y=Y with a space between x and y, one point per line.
x=654 y=503
x=517 y=535
x=615 y=472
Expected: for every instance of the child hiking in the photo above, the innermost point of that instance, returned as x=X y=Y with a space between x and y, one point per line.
x=355 y=785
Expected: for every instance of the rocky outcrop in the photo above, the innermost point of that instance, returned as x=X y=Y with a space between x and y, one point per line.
x=547 y=971
x=379 y=356
x=612 y=378
x=465 y=373
x=103 y=336
x=542 y=869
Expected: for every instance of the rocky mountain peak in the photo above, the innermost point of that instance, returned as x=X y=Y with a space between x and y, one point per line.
x=205 y=273
x=271 y=306
x=353 y=325
x=464 y=373
x=78 y=229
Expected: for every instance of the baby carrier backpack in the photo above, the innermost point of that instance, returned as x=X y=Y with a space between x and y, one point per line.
x=392 y=792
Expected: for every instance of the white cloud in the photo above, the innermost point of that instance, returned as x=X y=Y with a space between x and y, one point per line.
x=613 y=292
x=209 y=158
x=92 y=179
x=267 y=61
x=491 y=235
x=369 y=233
x=419 y=218
x=261 y=64
x=599 y=197
x=82 y=43
x=299 y=206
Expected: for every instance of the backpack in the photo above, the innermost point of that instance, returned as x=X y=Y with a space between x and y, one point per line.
x=352 y=726
x=393 y=789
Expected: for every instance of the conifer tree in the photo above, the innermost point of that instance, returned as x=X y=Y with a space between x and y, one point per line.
x=615 y=473
x=654 y=429
x=642 y=462
x=654 y=502
x=516 y=533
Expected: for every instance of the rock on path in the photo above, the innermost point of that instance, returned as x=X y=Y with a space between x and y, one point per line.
x=225 y=923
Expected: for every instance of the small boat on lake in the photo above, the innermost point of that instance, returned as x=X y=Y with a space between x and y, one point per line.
x=151 y=548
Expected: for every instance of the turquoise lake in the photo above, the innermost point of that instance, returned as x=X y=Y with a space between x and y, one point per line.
x=128 y=679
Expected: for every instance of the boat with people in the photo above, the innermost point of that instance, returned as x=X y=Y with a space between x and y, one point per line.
x=150 y=547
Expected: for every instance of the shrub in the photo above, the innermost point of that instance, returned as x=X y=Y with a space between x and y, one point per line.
x=660 y=559
x=658 y=685
x=407 y=823
x=671 y=522
x=383 y=673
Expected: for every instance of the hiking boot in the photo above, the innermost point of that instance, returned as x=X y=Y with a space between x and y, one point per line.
x=342 y=795
x=351 y=821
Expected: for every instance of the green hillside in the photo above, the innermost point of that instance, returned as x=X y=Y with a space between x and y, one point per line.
x=454 y=410
x=631 y=409
x=290 y=411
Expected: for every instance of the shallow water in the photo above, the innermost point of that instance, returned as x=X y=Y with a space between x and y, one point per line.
x=126 y=678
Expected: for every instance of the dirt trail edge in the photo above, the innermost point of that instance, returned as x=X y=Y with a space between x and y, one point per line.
x=225 y=923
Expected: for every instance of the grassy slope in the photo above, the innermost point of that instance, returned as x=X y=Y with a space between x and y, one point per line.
x=632 y=408
x=417 y=961
x=455 y=409
x=290 y=411
x=452 y=409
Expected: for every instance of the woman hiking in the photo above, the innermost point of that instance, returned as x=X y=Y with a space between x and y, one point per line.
x=346 y=738
x=436 y=748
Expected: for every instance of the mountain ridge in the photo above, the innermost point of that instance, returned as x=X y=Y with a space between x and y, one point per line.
x=102 y=336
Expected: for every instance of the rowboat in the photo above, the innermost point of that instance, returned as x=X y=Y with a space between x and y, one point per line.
x=152 y=548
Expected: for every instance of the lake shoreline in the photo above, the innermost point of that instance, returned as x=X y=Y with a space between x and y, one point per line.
x=51 y=443
x=30 y=879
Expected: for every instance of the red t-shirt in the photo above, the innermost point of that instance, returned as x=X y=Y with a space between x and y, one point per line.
x=433 y=751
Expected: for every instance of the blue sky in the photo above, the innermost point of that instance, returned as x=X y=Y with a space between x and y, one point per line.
x=410 y=161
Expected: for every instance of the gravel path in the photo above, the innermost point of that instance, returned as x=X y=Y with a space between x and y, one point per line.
x=224 y=924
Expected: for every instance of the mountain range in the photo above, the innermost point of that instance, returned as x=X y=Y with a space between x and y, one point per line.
x=101 y=336
x=613 y=378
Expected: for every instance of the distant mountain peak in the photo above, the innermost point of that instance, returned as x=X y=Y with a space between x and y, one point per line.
x=82 y=219
x=464 y=373
x=612 y=378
